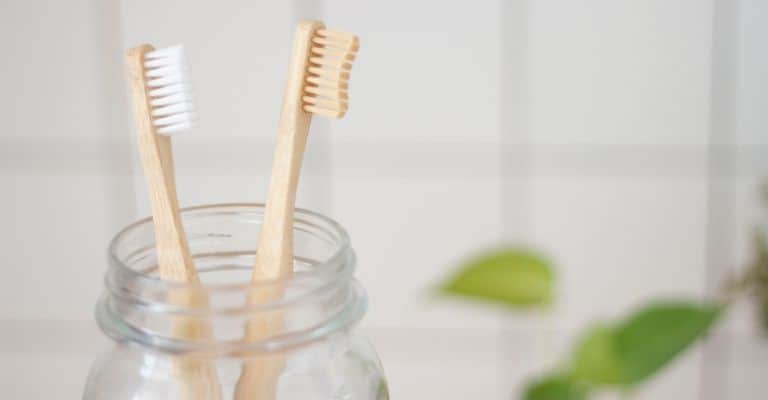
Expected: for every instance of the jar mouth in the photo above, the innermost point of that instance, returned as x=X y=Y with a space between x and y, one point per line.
x=319 y=298
x=303 y=219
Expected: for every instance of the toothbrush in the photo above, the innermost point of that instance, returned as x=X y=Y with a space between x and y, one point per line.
x=162 y=107
x=318 y=76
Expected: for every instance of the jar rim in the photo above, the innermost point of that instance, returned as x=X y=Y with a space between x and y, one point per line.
x=329 y=282
x=335 y=263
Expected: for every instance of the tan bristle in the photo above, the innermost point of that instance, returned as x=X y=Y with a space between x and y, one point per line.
x=333 y=75
x=336 y=44
x=317 y=81
x=334 y=53
x=330 y=93
x=322 y=102
x=325 y=89
x=335 y=63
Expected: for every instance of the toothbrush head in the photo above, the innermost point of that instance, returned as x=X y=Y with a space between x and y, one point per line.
x=169 y=91
x=327 y=77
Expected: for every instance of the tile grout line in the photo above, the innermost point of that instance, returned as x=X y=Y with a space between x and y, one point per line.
x=514 y=118
x=116 y=125
x=515 y=200
x=87 y=156
x=722 y=121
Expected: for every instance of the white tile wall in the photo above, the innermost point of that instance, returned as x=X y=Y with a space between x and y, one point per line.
x=42 y=73
x=746 y=378
x=427 y=71
x=621 y=239
x=21 y=375
x=408 y=232
x=53 y=244
x=450 y=364
x=595 y=131
x=752 y=63
x=608 y=72
x=36 y=364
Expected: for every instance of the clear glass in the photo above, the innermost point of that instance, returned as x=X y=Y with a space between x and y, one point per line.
x=312 y=349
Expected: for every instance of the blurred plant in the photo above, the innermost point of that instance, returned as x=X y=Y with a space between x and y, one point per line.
x=623 y=355
x=618 y=355
x=513 y=277
x=753 y=283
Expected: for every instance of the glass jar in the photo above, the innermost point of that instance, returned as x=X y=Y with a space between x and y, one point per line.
x=312 y=351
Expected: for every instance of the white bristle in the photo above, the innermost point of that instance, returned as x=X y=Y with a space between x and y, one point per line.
x=170 y=89
x=171 y=102
x=166 y=121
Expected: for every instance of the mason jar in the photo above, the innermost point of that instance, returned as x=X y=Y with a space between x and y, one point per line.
x=311 y=350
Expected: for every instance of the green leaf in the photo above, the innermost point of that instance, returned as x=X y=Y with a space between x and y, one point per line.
x=596 y=359
x=556 y=388
x=513 y=277
x=655 y=335
x=633 y=350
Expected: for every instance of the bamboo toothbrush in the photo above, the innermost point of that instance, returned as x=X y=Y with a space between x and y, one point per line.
x=318 y=76
x=162 y=106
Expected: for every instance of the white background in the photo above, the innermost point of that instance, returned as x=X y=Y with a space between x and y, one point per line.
x=624 y=138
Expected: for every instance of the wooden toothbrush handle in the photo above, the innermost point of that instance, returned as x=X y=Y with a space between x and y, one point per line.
x=197 y=378
x=274 y=255
x=173 y=256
